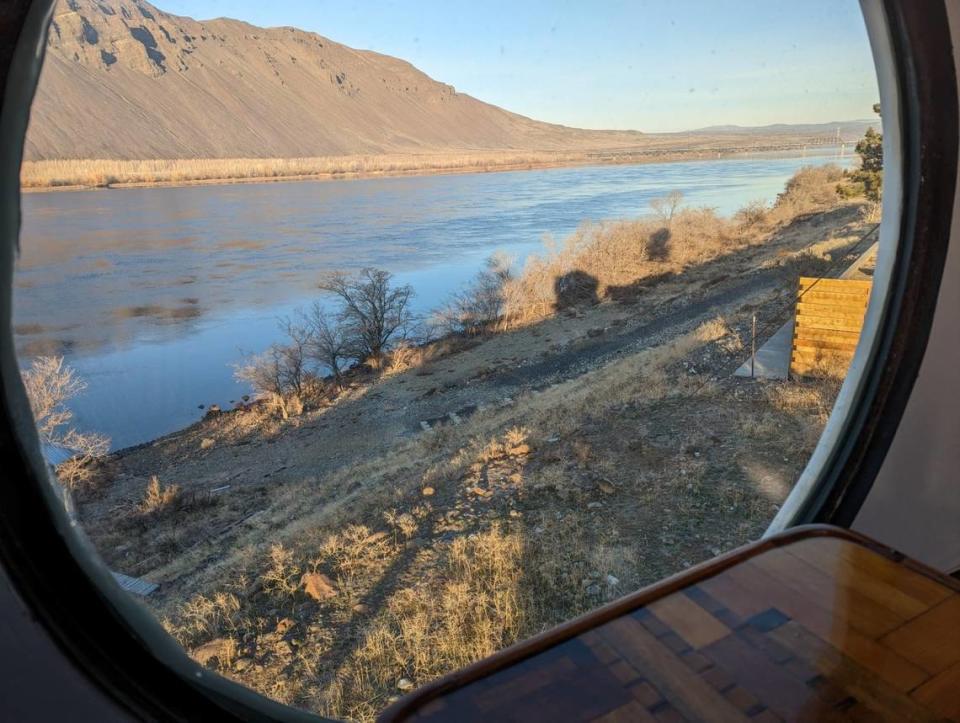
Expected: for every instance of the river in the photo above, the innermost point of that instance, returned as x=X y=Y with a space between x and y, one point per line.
x=152 y=294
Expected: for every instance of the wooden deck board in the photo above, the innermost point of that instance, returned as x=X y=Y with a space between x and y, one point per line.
x=828 y=319
x=818 y=628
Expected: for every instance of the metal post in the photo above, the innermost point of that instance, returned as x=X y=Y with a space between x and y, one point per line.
x=753 y=345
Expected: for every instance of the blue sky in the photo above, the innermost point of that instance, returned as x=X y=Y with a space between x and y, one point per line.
x=651 y=65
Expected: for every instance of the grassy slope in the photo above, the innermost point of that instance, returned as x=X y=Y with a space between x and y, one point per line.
x=439 y=548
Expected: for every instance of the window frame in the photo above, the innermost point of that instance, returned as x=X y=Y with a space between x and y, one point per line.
x=126 y=653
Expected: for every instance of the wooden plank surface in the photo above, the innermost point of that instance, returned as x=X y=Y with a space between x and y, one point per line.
x=931 y=639
x=829 y=318
x=691 y=622
x=811 y=282
x=819 y=629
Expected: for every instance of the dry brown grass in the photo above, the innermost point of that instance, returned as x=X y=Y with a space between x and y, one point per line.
x=602 y=259
x=103 y=172
x=51 y=384
x=157 y=497
x=473 y=609
x=537 y=511
x=462 y=584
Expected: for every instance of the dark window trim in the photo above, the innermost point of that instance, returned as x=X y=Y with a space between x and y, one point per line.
x=927 y=86
x=126 y=653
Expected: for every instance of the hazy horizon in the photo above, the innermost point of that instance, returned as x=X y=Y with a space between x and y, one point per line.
x=648 y=66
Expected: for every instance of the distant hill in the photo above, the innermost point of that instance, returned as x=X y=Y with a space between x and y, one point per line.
x=849 y=130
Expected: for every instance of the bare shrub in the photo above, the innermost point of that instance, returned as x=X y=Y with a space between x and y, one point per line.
x=331 y=344
x=373 y=311
x=264 y=373
x=278 y=376
x=405 y=356
x=812 y=188
x=475 y=308
x=204 y=617
x=50 y=385
x=158 y=498
x=613 y=254
x=403 y=524
x=666 y=206
x=282 y=576
x=753 y=215
x=293 y=356
x=168 y=501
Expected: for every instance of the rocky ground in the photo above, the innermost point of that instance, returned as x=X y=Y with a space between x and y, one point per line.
x=525 y=478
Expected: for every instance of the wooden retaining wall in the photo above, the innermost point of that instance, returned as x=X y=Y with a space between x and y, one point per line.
x=828 y=322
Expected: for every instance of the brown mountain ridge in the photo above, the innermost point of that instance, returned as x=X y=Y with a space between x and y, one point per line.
x=125 y=80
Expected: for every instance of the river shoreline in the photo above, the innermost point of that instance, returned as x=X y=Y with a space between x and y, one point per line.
x=630 y=158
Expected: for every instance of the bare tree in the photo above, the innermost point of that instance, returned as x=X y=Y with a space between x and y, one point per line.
x=373 y=312
x=330 y=342
x=50 y=385
x=293 y=356
x=666 y=206
x=263 y=372
x=269 y=375
x=482 y=302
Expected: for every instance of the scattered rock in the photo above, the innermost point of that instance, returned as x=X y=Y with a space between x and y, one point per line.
x=284 y=625
x=241 y=664
x=428 y=491
x=206 y=443
x=361 y=609
x=594 y=505
x=595 y=332
x=404 y=684
x=318 y=586
x=606 y=486
x=210 y=650
x=612 y=580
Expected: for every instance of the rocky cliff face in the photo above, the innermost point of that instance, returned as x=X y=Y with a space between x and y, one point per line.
x=123 y=79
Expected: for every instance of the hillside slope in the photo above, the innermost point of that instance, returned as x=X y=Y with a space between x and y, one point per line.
x=125 y=80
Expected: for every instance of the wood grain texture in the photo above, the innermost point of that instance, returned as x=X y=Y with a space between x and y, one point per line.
x=820 y=628
x=931 y=639
x=829 y=317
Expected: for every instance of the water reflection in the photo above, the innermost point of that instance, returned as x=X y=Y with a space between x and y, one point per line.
x=150 y=293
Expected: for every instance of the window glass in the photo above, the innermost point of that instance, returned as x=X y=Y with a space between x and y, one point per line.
x=372 y=338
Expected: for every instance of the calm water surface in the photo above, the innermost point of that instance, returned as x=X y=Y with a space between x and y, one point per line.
x=152 y=294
